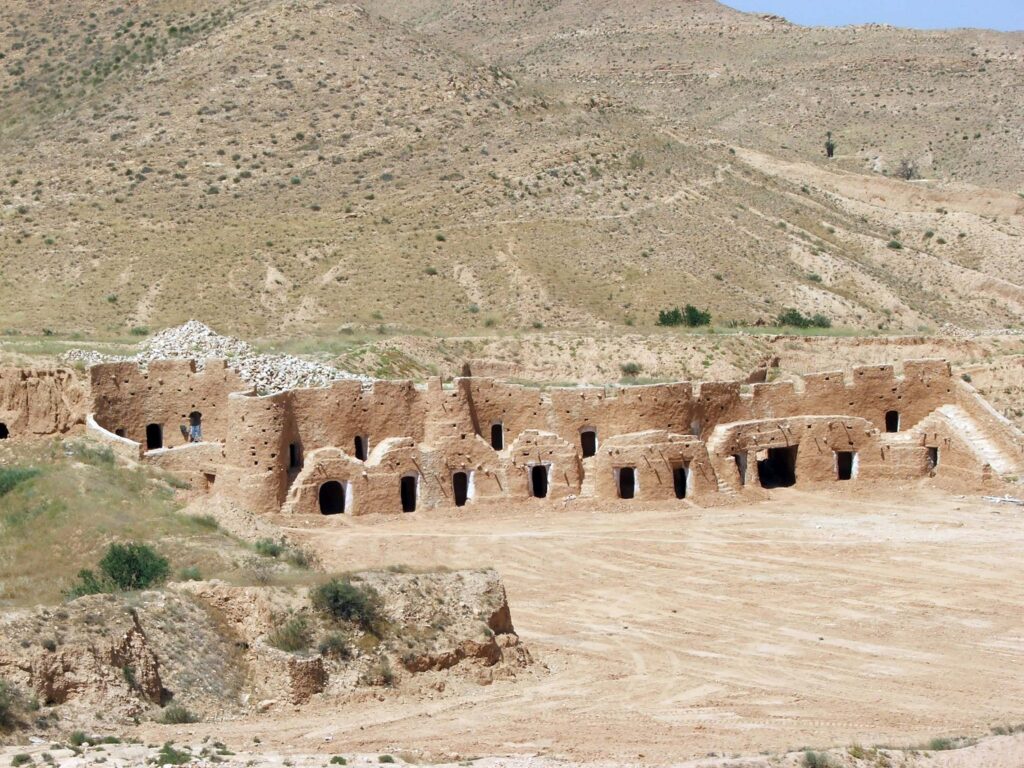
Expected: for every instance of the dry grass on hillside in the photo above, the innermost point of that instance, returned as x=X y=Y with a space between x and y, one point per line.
x=278 y=167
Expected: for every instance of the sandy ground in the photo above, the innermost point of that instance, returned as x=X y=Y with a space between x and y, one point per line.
x=671 y=633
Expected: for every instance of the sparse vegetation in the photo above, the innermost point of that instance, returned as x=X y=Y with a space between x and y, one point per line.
x=176 y=714
x=814 y=759
x=293 y=636
x=796 y=319
x=343 y=600
x=689 y=316
x=630 y=370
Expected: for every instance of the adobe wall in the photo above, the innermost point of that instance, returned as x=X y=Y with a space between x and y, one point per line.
x=126 y=398
x=39 y=401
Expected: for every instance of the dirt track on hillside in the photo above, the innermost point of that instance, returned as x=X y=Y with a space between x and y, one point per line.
x=671 y=633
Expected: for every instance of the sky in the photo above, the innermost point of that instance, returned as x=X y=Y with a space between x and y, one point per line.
x=1007 y=15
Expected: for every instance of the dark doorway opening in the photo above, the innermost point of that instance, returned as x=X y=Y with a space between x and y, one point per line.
x=892 y=421
x=294 y=456
x=933 y=457
x=778 y=469
x=627 y=482
x=4 y=432
x=844 y=464
x=498 y=436
x=119 y=432
x=361 y=447
x=588 y=442
x=332 y=498
x=408 y=491
x=680 y=478
x=154 y=437
x=195 y=427
x=460 y=488
x=539 y=481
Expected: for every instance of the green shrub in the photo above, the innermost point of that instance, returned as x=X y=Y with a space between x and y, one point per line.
x=77 y=738
x=342 y=600
x=796 y=319
x=12 y=477
x=139 y=330
x=22 y=758
x=338 y=760
x=292 y=636
x=168 y=755
x=124 y=567
x=816 y=760
x=632 y=370
x=268 y=548
x=385 y=759
x=134 y=566
x=895 y=245
x=9 y=700
x=689 y=316
x=176 y=714
x=190 y=573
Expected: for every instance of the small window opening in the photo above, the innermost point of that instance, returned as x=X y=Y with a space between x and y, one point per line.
x=892 y=421
x=778 y=469
x=294 y=456
x=460 y=488
x=210 y=477
x=119 y=432
x=588 y=442
x=195 y=427
x=680 y=479
x=332 y=498
x=498 y=436
x=361 y=451
x=407 y=489
x=154 y=437
x=741 y=466
x=627 y=482
x=539 y=481
x=933 y=457
x=845 y=463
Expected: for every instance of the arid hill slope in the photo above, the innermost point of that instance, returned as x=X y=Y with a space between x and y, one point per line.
x=948 y=100
x=280 y=166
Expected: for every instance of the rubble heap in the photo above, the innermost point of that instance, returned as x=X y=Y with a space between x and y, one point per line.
x=196 y=341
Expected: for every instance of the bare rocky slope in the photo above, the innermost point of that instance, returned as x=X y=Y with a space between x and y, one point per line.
x=282 y=166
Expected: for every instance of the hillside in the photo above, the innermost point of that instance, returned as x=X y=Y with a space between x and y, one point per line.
x=277 y=167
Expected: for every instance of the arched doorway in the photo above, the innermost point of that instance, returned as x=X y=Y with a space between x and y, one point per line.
x=539 y=481
x=361 y=447
x=627 y=482
x=680 y=479
x=154 y=437
x=892 y=421
x=460 y=488
x=332 y=498
x=407 y=488
x=498 y=436
x=588 y=443
x=195 y=427
x=4 y=433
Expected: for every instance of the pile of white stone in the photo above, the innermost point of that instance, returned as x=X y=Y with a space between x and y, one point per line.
x=196 y=341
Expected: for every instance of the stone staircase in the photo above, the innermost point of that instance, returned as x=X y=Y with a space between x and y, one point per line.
x=588 y=488
x=985 y=446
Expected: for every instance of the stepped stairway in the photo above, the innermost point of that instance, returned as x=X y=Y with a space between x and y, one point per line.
x=989 y=448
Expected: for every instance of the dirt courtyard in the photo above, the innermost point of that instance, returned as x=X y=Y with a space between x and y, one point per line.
x=670 y=633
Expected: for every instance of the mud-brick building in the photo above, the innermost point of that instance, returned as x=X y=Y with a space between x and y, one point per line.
x=395 y=446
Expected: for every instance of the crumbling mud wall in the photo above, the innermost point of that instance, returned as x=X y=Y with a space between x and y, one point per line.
x=394 y=447
x=155 y=406
x=37 y=401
